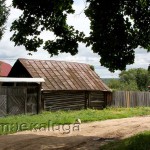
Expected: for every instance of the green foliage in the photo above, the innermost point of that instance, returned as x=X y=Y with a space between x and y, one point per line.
x=92 y=67
x=47 y=15
x=137 y=142
x=114 y=84
x=3 y=16
x=139 y=76
x=149 y=69
x=123 y=86
x=68 y=117
x=131 y=80
x=142 y=79
x=132 y=86
x=128 y=76
x=117 y=28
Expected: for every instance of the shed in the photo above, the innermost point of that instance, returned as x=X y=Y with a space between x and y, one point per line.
x=20 y=99
x=68 y=85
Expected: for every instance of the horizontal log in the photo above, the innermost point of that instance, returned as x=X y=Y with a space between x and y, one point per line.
x=70 y=107
x=63 y=103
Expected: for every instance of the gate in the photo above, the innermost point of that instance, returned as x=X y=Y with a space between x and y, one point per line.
x=18 y=100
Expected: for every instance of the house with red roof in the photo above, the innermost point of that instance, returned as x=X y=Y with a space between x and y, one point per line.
x=4 y=69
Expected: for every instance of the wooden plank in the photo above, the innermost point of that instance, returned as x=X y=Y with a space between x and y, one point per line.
x=39 y=99
x=16 y=100
x=3 y=105
x=128 y=99
x=32 y=99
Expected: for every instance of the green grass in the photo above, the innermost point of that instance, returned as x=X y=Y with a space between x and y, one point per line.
x=66 y=117
x=137 y=142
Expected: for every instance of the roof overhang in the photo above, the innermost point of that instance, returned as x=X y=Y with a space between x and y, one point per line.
x=20 y=80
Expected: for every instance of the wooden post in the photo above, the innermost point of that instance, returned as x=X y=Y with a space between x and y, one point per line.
x=42 y=100
x=105 y=100
x=86 y=101
x=89 y=99
x=7 y=101
x=39 y=107
x=25 y=103
x=15 y=84
x=128 y=99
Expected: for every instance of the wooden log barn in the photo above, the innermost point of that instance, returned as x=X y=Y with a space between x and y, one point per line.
x=67 y=86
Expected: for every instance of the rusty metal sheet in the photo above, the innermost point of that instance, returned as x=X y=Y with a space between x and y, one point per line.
x=61 y=75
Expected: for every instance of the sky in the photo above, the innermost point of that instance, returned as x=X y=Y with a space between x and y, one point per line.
x=10 y=53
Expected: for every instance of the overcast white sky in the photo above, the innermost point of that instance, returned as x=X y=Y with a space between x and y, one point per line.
x=9 y=53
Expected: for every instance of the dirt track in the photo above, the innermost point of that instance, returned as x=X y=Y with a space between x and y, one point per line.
x=90 y=136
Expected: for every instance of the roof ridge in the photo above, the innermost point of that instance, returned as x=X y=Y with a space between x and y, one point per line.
x=3 y=62
x=53 y=60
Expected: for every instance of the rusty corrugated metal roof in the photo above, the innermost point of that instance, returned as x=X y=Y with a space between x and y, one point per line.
x=4 y=69
x=61 y=75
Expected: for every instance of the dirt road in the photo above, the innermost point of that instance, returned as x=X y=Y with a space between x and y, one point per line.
x=90 y=136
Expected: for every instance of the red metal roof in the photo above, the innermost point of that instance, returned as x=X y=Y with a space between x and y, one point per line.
x=4 y=69
x=61 y=75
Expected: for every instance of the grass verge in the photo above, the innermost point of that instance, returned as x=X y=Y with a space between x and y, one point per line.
x=137 y=142
x=11 y=124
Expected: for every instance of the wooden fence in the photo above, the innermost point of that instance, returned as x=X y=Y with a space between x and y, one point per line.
x=130 y=99
x=17 y=100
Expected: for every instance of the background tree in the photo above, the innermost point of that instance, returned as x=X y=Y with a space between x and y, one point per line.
x=128 y=76
x=142 y=79
x=117 y=84
x=114 y=84
x=149 y=68
x=3 y=16
x=132 y=80
x=117 y=28
x=149 y=75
